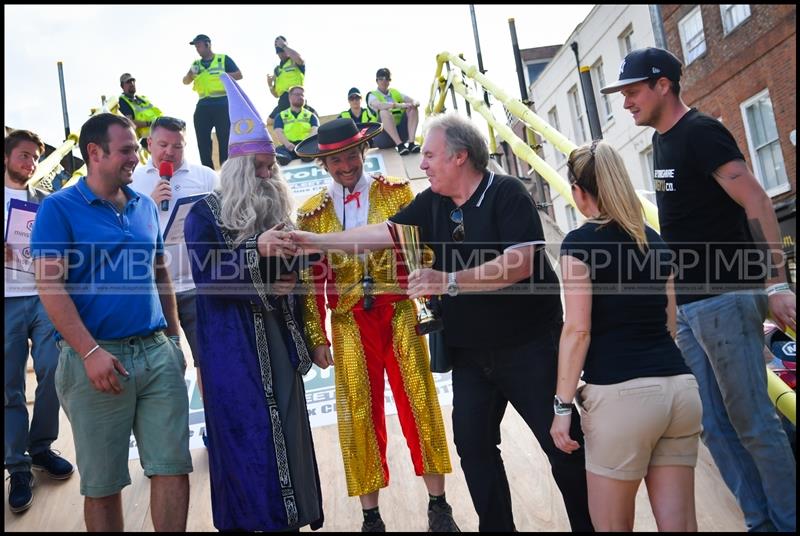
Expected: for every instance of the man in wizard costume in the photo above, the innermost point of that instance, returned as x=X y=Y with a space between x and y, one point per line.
x=261 y=457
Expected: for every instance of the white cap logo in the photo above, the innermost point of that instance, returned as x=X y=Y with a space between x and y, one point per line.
x=621 y=66
x=656 y=70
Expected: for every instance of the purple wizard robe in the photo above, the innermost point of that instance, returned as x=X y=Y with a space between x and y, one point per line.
x=261 y=454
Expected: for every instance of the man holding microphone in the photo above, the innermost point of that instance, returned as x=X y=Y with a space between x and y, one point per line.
x=166 y=144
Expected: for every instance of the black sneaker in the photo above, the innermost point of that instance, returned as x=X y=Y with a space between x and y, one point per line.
x=413 y=147
x=51 y=463
x=20 y=494
x=402 y=149
x=440 y=519
x=373 y=526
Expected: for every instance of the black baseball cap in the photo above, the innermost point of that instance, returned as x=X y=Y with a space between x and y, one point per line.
x=644 y=64
x=383 y=72
x=353 y=91
x=200 y=37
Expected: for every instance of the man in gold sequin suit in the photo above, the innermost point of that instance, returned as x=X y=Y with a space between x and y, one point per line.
x=373 y=328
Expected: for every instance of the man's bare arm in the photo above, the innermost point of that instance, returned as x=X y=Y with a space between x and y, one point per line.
x=59 y=305
x=294 y=55
x=188 y=77
x=513 y=266
x=740 y=184
x=358 y=240
x=101 y=367
x=282 y=139
x=166 y=294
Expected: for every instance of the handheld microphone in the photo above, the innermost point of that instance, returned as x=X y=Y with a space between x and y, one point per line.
x=165 y=170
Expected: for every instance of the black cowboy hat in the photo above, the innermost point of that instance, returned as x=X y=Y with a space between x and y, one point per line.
x=337 y=136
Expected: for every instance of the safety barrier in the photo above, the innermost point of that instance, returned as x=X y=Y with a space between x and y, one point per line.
x=108 y=106
x=519 y=110
x=51 y=166
x=784 y=398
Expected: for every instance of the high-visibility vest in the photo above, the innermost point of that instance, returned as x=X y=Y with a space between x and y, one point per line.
x=397 y=97
x=143 y=110
x=208 y=83
x=366 y=116
x=288 y=76
x=296 y=128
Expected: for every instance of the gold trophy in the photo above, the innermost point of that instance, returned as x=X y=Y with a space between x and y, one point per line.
x=406 y=238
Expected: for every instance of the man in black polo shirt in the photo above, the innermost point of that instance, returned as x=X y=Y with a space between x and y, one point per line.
x=717 y=218
x=501 y=309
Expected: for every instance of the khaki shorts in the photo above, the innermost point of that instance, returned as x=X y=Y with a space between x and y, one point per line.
x=153 y=403
x=639 y=423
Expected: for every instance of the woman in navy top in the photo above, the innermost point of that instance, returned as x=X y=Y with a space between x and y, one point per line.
x=640 y=404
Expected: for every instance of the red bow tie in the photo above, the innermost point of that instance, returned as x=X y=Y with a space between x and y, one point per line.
x=354 y=196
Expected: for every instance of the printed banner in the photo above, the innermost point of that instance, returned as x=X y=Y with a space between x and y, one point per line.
x=307 y=179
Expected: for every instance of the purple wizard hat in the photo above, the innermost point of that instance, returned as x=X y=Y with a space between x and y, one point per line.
x=248 y=133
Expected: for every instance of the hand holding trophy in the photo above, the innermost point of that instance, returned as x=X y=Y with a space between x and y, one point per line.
x=406 y=239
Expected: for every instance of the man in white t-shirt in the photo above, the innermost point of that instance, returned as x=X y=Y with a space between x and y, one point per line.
x=27 y=322
x=166 y=143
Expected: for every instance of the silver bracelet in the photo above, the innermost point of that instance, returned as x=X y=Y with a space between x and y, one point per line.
x=777 y=288
x=90 y=352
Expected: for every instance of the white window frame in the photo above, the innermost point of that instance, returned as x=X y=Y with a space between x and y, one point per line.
x=783 y=186
x=626 y=44
x=648 y=184
x=691 y=46
x=734 y=10
x=525 y=66
x=604 y=109
x=576 y=114
x=572 y=217
x=553 y=121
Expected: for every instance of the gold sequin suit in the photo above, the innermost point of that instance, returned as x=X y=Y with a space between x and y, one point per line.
x=365 y=342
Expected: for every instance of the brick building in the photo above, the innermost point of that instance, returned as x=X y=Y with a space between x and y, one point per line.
x=741 y=67
x=603 y=39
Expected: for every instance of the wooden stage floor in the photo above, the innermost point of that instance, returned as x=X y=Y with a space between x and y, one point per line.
x=58 y=506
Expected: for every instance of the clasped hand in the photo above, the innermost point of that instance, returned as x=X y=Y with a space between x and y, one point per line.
x=276 y=242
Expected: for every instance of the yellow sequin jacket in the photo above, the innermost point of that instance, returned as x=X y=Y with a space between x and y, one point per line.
x=342 y=272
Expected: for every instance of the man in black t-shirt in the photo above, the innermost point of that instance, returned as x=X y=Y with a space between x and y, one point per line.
x=719 y=222
x=501 y=309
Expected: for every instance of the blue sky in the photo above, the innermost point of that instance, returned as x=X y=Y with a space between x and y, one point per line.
x=97 y=43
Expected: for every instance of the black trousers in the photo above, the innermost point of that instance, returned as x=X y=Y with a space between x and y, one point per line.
x=206 y=117
x=484 y=382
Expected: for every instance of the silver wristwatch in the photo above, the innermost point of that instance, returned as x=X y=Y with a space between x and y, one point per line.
x=561 y=408
x=452 y=286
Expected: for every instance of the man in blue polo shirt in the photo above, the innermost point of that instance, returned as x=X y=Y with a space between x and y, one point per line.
x=101 y=277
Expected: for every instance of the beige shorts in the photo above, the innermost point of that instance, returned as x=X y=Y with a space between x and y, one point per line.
x=639 y=423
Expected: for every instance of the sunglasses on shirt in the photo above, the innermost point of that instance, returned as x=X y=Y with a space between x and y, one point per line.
x=457 y=217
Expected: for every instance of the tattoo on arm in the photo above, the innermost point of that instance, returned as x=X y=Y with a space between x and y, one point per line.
x=732 y=172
